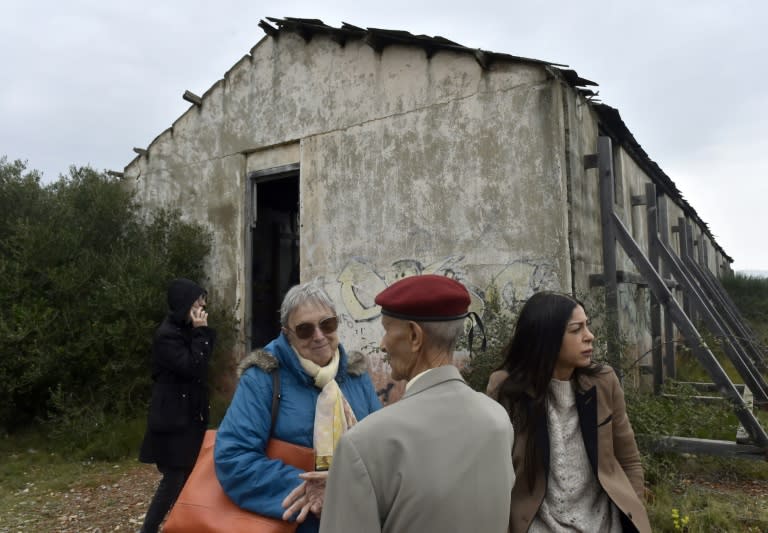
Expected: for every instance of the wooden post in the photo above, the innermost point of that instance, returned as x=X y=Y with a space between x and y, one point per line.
x=605 y=169
x=684 y=271
x=697 y=344
x=691 y=255
x=669 y=328
x=700 y=248
x=705 y=249
x=653 y=256
x=682 y=235
x=733 y=327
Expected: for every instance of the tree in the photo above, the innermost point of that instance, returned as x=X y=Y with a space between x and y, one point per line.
x=83 y=275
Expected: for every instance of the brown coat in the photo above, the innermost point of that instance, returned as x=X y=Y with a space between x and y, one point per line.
x=610 y=444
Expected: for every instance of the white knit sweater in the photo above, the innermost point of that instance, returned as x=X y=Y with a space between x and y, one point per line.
x=574 y=501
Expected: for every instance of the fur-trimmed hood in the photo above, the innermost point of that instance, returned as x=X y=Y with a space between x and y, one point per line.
x=357 y=364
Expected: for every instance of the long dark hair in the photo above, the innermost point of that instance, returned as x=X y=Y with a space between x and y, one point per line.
x=529 y=359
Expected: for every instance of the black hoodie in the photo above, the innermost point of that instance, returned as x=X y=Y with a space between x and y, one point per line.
x=178 y=413
x=182 y=293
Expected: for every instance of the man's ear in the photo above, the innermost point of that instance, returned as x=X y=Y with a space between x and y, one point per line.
x=415 y=336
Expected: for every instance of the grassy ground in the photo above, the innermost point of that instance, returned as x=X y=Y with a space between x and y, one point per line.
x=710 y=494
x=46 y=492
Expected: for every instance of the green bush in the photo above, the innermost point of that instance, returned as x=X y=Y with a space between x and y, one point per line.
x=83 y=277
x=679 y=413
x=750 y=295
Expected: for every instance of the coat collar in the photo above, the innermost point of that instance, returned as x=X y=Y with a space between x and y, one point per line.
x=279 y=353
x=436 y=376
x=586 y=406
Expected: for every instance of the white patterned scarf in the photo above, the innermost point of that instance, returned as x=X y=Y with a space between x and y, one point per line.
x=333 y=414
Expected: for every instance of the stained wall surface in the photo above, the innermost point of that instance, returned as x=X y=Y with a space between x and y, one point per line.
x=408 y=164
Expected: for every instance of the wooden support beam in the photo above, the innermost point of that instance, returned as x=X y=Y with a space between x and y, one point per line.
x=692 y=336
x=720 y=448
x=717 y=324
x=605 y=170
x=705 y=254
x=653 y=256
x=732 y=330
x=696 y=398
x=670 y=368
x=703 y=386
x=140 y=151
x=746 y=334
x=192 y=98
x=623 y=276
x=682 y=237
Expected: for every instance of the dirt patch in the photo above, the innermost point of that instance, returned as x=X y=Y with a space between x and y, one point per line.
x=114 y=499
x=757 y=488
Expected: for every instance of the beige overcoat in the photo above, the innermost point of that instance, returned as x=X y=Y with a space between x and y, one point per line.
x=611 y=448
x=437 y=460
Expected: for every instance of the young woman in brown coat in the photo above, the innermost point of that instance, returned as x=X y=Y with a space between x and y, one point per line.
x=575 y=457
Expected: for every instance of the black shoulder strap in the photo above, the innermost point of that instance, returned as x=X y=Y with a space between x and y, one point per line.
x=275 y=399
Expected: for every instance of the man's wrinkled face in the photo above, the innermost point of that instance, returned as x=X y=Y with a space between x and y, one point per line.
x=396 y=343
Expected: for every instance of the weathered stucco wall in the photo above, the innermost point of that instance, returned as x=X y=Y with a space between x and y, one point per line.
x=408 y=164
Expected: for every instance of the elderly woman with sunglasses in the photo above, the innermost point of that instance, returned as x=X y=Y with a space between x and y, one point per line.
x=323 y=391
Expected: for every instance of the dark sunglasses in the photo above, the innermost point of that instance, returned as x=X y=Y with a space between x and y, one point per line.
x=306 y=329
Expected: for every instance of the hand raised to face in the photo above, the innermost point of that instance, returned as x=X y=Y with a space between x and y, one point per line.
x=197 y=314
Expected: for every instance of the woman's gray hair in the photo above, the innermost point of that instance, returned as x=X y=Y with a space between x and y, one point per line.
x=443 y=335
x=309 y=292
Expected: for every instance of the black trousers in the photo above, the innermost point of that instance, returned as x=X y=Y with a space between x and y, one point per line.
x=167 y=491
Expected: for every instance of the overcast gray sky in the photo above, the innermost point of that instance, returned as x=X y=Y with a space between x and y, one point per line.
x=84 y=81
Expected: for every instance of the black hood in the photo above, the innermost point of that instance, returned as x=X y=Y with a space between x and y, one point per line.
x=182 y=293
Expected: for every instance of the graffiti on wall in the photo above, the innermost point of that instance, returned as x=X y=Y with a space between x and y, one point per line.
x=509 y=285
x=361 y=282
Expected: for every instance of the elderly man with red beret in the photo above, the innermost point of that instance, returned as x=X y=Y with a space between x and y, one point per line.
x=439 y=459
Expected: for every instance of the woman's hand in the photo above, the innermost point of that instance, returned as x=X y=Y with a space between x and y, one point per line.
x=306 y=497
x=198 y=316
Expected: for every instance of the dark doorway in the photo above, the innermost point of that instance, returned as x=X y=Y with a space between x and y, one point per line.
x=274 y=249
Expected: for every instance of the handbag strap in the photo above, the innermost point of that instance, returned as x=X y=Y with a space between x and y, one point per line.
x=275 y=399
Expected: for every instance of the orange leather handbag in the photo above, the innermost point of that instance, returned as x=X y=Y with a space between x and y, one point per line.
x=204 y=507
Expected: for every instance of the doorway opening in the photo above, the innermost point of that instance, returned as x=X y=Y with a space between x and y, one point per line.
x=274 y=250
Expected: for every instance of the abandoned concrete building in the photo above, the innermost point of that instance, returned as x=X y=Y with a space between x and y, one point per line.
x=359 y=156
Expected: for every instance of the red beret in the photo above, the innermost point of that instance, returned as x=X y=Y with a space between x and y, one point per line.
x=427 y=298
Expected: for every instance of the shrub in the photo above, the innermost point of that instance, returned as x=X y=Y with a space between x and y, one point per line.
x=83 y=277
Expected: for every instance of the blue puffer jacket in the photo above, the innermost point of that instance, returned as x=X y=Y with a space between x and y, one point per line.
x=252 y=480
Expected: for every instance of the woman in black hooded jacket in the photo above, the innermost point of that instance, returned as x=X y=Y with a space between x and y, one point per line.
x=178 y=412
